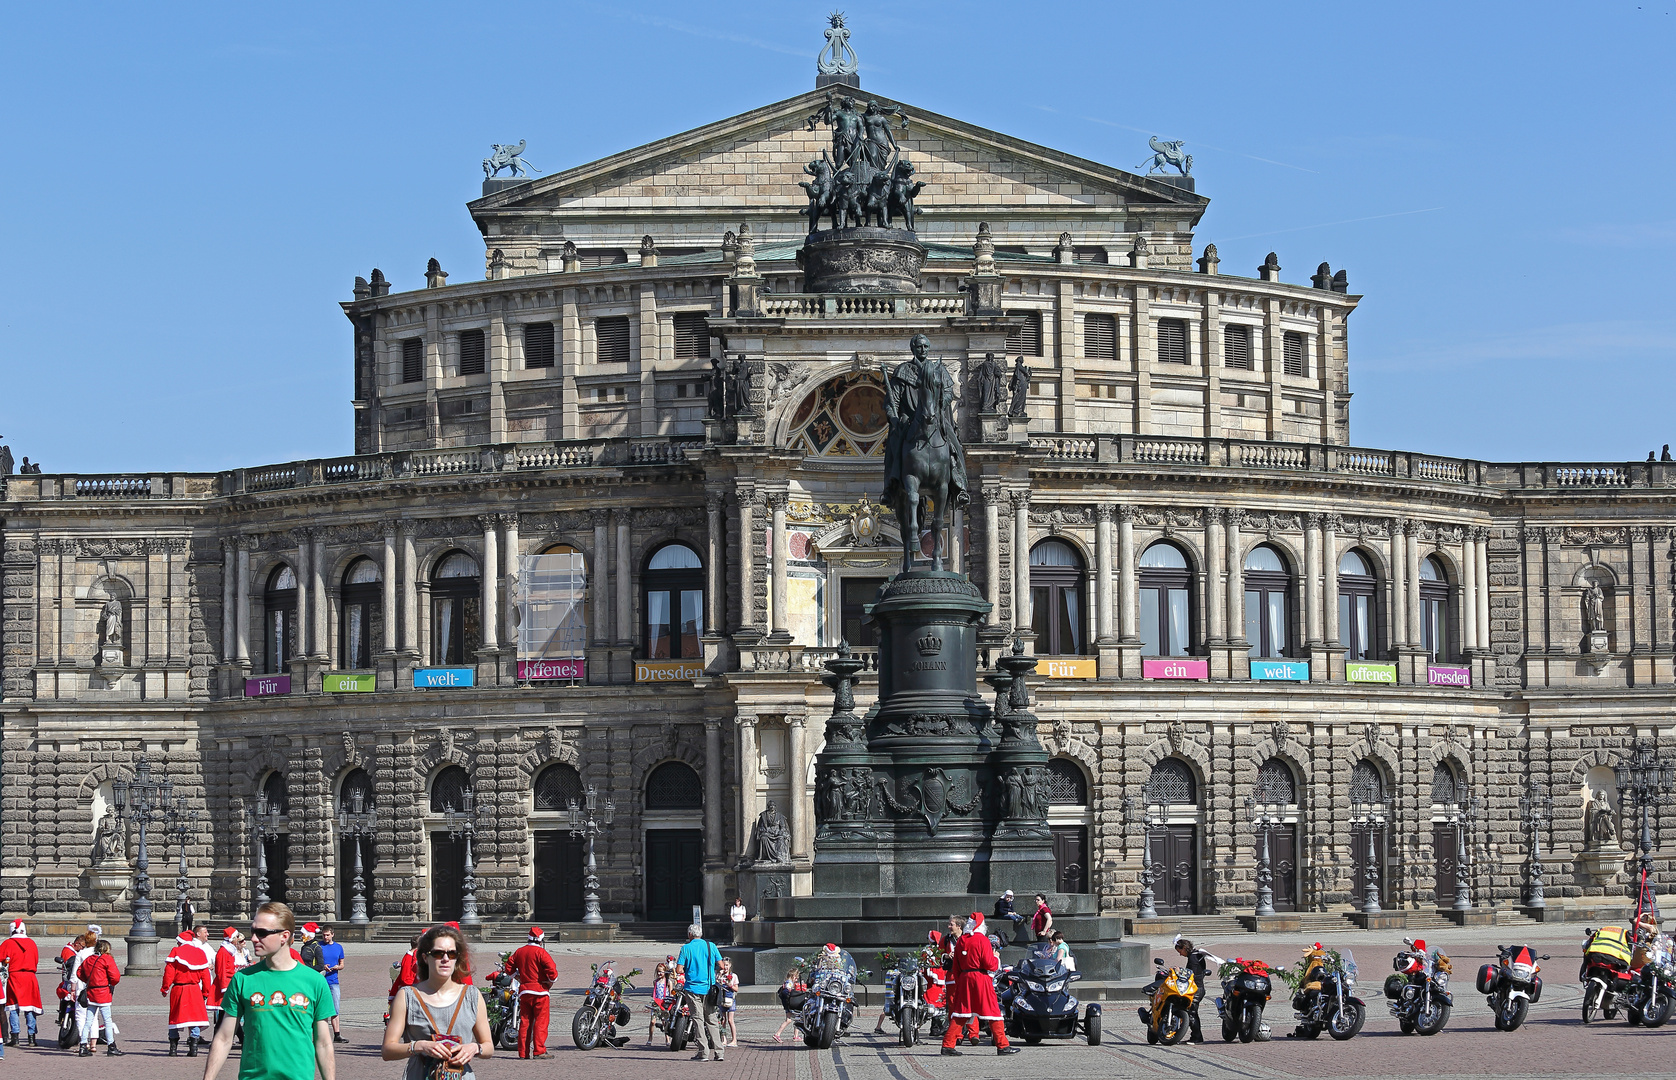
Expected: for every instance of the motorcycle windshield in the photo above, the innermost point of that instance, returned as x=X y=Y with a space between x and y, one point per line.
x=1349 y=962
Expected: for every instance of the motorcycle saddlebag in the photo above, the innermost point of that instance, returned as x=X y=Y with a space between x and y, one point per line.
x=1536 y=990
x=796 y=1000
x=623 y=1015
x=1394 y=985
x=1487 y=978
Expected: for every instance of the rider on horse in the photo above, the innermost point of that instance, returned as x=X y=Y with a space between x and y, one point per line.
x=923 y=454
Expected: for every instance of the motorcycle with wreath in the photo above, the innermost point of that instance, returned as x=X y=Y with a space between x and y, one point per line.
x=1612 y=979
x=829 y=1004
x=1246 y=987
x=502 y=998
x=1326 y=996
x=910 y=1000
x=603 y=1008
x=1166 y=1018
x=1511 y=985
x=1418 y=989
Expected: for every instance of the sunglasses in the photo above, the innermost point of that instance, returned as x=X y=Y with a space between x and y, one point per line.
x=258 y=932
x=444 y=954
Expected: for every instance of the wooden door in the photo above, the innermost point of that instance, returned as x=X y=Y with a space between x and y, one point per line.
x=1446 y=861
x=1360 y=842
x=1283 y=867
x=279 y=863
x=559 y=874
x=674 y=874
x=448 y=878
x=1070 y=858
x=1175 y=870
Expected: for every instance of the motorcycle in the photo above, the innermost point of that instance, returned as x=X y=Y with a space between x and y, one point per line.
x=1246 y=987
x=1173 y=990
x=829 y=1005
x=1610 y=980
x=1326 y=998
x=1037 y=1004
x=503 y=994
x=602 y=1008
x=905 y=987
x=1511 y=985
x=1418 y=989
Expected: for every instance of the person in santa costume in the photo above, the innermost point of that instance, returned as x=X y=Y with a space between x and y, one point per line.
x=536 y=972
x=21 y=957
x=974 y=988
x=228 y=959
x=187 y=984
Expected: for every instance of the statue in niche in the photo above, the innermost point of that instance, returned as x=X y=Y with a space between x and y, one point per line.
x=1602 y=832
x=770 y=838
x=107 y=840
x=832 y=796
x=989 y=377
x=742 y=387
x=718 y=389
x=1594 y=607
x=1019 y=384
x=110 y=625
x=1015 y=794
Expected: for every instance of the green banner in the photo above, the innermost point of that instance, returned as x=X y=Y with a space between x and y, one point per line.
x=1377 y=673
x=349 y=682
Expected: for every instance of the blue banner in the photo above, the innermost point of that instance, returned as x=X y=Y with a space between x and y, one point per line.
x=443 y=678
x=1280 y=670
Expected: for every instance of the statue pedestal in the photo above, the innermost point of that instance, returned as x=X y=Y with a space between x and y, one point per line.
x=1603 y=865
x=1598 y=642
x=110 y=657
x=764 y=881
x=108 y=883
x=862 y=259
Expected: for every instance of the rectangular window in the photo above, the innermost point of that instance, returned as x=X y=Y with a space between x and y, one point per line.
x=413 y=359
x=692 y=335
x=1292 y=351
x=1172 y=341
x=1025 y=340
x=552 y=595
x=611 y=338
x=1236 y=347
x=538 y=345
x=1099 y=337
x=859 y=592
x=589 y=258
x=471 y=352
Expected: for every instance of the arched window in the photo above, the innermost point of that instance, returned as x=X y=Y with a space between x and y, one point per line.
x=356 y=785
x=1166 y=613
x=1066 y=784
x=1171 y=784
x=274 y=789
x=279 y=614
x=553 y=594
x=448 y=790
x=1434 y=608
x=1058 y=598
x=1276 y=784
x=1445 y=787
x=556 y=786
x=1358 y=612
x=1367 y=783
x=1268 y=614
x=362 y=614
x=674 y=786
x=672 y=590
x=456 y=609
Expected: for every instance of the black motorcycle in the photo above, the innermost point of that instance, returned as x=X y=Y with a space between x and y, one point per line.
x=829 y=1005
x=1245 y=992
x=1418 y=989
x=1511 y=985
x=1037 y=1004
x=1326 y=999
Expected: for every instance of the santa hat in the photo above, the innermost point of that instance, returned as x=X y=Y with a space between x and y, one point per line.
x=229 y=933
x=95 y=929
x=17 y=928
x=1419 y=944
x=310 y=929
x=185 y=937
x=536 y=934
x=974 y=924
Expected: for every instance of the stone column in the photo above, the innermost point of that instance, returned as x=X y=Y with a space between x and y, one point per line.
x=992 y=549
x=1216 y=601
x=748 y=765
x=511 y=569
x=777 y=595
x=302 y=537
x=747 y=560
x=715 y=843
x=1312 y=580
x=488 y=581
x=625 y=603
x=1399 y=592
x=1481 y=553
x=1103 y=575
x=229 y=601
x=410 y=589
x=1021 y=561
x=1329 y=578
x=1413 y=582
x=391 y=617
x=1469 y=591
x=714 y=541
x=796 y=815
x=1236 y=581
x=319 y=647
x=1129 y=580
x=599 y=584
x=242 y=630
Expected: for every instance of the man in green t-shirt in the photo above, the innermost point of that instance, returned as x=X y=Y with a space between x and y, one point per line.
x=286 y=1008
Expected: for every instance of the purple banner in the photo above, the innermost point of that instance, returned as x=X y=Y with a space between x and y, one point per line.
x=1438 y=675
x=267 y=686
x=552 y=670
x=1175 y=669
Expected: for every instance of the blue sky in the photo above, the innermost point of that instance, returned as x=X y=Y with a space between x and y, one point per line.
x=189 y=190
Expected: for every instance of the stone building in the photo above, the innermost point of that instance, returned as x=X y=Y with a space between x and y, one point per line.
x=615 y=503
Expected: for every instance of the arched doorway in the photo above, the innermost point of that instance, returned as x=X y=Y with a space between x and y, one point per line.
x=674 y=842
x=448 y=854
x=1446 y=853
x=557 y=896
x=1277 y=797
x=1068 y=819
x=1369 y=853
x=277 y=845
x=1172 y=795
x=355 y=796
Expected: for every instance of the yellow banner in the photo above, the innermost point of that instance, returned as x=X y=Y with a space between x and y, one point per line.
x=1069 y=667
x=668 y=670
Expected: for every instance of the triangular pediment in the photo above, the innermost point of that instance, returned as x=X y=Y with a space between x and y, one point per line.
x=751 y=165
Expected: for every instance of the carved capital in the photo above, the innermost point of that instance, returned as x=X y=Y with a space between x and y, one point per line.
x=409 y=528
x=1333 y=523
x=1126 y=514
x=302 y=536
x=599 y=519
x=248 y=543
x=1313 y=521
x=1215 y=515
x=777 y=501
x=1236 y=518
x=1104 y=512
x=1398 y=525
x=508 y=521
x=714 y=501
x=1020 y=498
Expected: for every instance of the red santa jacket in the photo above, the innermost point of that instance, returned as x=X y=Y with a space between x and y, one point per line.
x=226 y=963
x=974 y=990
x=535 y=969
x=186 y=981
x=21 y=957
x=409 y=974
x=100 y=975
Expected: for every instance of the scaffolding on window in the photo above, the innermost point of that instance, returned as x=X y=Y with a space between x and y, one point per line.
x=552 y=590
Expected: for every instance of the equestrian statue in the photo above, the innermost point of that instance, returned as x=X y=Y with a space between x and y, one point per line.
x=925 y=465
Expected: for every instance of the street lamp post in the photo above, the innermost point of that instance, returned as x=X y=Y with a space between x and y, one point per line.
x=143 y=800
x=1464 y=815
x=356 y=822
x=1535 y=805
x=583 y=823
x=1263 y=819
x=1643 y=777
x=1145 y=905
x=181 y=829
x=462 y=824
x=1368 y=818
x=265 y=822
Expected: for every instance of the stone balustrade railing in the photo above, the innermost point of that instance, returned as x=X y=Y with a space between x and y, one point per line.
x=860 y=305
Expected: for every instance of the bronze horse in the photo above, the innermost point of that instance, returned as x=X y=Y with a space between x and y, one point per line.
x=924 y=460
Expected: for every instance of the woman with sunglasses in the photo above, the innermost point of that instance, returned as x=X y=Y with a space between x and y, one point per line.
x=438 y=1025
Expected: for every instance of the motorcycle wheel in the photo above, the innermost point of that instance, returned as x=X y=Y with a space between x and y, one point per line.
x=1514 y=1016
x=1660 y=1012
x=678 y=1037
x=1253 y=1021
x=1092 y=1027
x=584 y=1028
x=905 y=1021
x=1591 y=1001
x=1431 y=1021
x=829 y=1031
x=1346 y=1022
x=1174 y=1026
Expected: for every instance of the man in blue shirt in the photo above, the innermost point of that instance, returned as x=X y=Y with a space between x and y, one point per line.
x=331 y=961
x=697 y=963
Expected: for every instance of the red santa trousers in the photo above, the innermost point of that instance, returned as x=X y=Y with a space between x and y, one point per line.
x=532 y=1025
